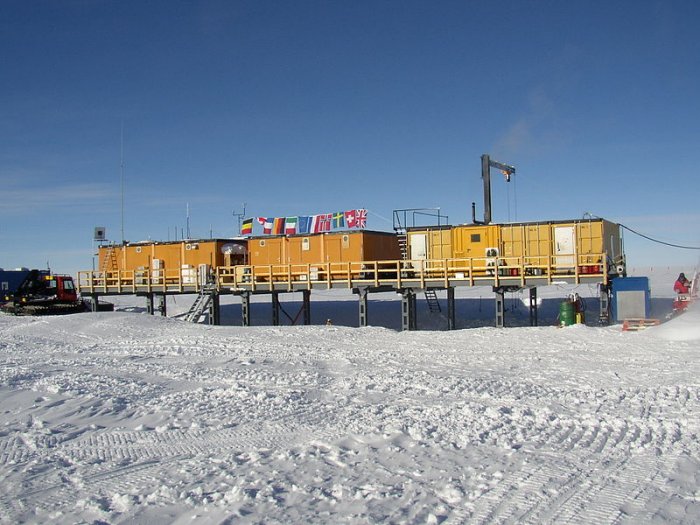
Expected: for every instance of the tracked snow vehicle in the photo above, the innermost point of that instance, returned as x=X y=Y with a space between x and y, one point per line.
x=42 y=293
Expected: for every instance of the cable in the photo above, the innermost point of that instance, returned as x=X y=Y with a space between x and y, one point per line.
x=660 y=242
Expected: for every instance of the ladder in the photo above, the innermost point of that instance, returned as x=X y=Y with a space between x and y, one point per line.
x=432 y=300
x=403 y=243
x=109 y=264
x=199 y=307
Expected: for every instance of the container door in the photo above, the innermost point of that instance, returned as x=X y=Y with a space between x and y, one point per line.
x=440 y=244
x=564 y=246
x=419 y=248
x=334 y=248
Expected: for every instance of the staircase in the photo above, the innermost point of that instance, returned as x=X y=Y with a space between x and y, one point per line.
x=199 y=307
x=432 y=300
x=109 y=264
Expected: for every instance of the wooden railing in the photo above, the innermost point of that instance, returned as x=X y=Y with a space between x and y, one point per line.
x=516 y=271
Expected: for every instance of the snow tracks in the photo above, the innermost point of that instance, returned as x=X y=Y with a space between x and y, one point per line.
x=127 y=418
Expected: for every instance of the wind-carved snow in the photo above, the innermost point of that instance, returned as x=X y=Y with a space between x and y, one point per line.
x=118 y=417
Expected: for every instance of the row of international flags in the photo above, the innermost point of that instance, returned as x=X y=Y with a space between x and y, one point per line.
x=323 y=222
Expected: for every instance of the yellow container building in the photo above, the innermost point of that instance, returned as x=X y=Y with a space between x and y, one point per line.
x=583 y=246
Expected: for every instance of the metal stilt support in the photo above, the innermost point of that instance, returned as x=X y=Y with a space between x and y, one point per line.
x=409 y=320
x=363 y=294
x=307 y=306
x=533 y=306
x=163 y=305
x=245 y=308
x=150 y=309
x=275 y=309
x=215 y=309
x=451 y=317
x=605 y=316
x=500 y=308
x=94 y=303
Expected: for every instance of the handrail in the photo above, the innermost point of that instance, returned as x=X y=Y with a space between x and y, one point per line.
x=396 y=273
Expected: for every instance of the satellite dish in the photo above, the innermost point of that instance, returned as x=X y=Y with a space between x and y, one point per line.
x=232 y=249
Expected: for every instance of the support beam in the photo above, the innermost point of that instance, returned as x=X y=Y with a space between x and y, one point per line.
x=307 y=306
x=275 y=309
x=150 y=309
x=409 y=319
x=604 y=316
x=533 y=306
x=163 y=305
x=94 y=303
x=500 y=307
x=451 y=317
x=215 y=309
x=245 y=308
x=363 y=294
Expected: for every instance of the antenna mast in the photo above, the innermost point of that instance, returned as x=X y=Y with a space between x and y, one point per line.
x=240 y=217
x=121 y=179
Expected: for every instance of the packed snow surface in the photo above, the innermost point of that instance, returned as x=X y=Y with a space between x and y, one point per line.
x=119 y=417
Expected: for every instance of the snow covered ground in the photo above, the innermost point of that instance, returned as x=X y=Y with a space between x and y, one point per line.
x=126 y=418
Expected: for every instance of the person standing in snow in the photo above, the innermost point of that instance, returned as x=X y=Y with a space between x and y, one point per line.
x=682 y=285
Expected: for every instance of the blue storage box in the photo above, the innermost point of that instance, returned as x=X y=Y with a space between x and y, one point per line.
x=631 y=298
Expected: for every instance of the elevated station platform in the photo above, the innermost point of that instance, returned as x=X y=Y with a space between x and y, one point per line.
x=384 y=275
x=405 y=277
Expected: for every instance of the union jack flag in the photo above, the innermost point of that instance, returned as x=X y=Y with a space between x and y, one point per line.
x=361 y=218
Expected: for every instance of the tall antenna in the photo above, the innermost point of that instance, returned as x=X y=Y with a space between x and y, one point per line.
x=188 y=221
x=239 y=216
x=121 y=178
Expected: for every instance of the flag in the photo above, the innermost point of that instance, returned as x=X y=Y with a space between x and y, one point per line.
x=278 y=225
x=247 y=226
x=361 y=218
x=339 y=220
x=351 y=218
x=266 y=224
x=324 y=222
x=290 y=225
x=304 y=224
x=314 y=224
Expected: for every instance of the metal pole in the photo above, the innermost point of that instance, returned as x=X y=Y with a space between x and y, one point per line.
x=451 y=318
x=486 y=177
x=500 y=310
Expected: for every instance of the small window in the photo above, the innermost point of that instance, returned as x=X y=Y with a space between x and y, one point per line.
x=476 y=237
x=138 y=249
x=262 y=242
x=305 y=244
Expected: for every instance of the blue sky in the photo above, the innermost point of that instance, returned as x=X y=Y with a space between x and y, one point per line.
x=306 y=107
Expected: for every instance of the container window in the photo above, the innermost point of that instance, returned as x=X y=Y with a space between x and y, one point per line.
x=138 y=249
x=305 y=245
x=262 y=242
x=476 y=237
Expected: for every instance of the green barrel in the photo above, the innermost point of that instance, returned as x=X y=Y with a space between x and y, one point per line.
x=567 y=313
